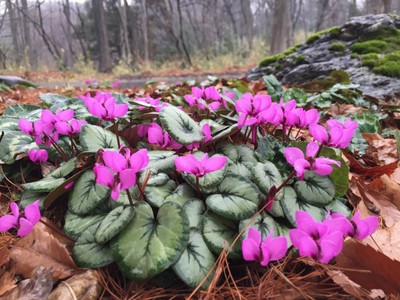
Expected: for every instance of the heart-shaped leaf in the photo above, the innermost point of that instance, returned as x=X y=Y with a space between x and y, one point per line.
x=87 y=194
x=76 y=224
x=195 y=209
x=195 y=262
x=339 y=207
x=148 y=245
x=156 y=194
x=162 y=161
x=219 y=233
x=266 y=175
x=93 y=138
x=28 y=197
x=113 y=223
x=13 y=143
x=65 y=169
x=180 y=126
x=290 y=204
x=263 y=222
x=237 y=198
x=47 y=184
x=181 y=194
x=315 y=189
x=88 y=254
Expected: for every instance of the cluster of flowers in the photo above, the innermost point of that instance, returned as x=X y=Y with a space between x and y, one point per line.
x=48 y=128
x=103 y=106
x=22 y=221
x=209 y=96
x=321 y=241
x=155 y=135
x=117 y=170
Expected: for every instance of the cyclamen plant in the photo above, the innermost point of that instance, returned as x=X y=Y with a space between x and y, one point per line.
x=148 y=181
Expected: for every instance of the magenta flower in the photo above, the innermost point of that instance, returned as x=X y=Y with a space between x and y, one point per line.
x=271 y=249
x=69 y=128
x=116 y=84
x=340 y=135
x=209 y=94
x=206 y=130
x=319 y=240
x=320 y=165
x=119 y=169
x=158 y=105
x=251 y=109
x=42 y=132
x=199 y=168
x=104 y=107
x=158 y=137
x=23 y=222
x=357 y=227
x=299 y=117
x=38 y=155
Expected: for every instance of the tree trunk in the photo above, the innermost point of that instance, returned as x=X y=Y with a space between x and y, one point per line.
x=373 y=6
x=281 y=26
x=105 y=63
x=145 y=32
x=69 y=58
x=125 y=46
x=322 y=11
x=248 y=21
x=14 y=32
x=29 y=48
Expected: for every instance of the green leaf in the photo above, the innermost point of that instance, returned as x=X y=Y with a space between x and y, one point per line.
x=339 y=207
x=315 y=189
x=51 y=99
x=8 y=124
x=13 y=143
x=25 y=111
x=195 y=209
x=219 y=233
x=195 y=262
x=47 y=184
x=180 y=126
x=181 y=194
x=229 y=150
x=268 y=148
x=243 y=163
x=88 y=254
x=148 y=245
x=65 y=169
x=154 y=179
x=157 y=194
x=266 y=175
x=86 y=194
x=276 y=209
x=264 y=223
x=274 y=87
x=76 y=224
x=162 y=161
x=113 y=223
x=290 y=204
x=237 y=198
x=93 y=138
x=28 y=197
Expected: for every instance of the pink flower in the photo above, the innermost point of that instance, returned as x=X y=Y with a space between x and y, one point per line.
x=119 y=169
x=209 y=95
x=103 y=106
x=251 y=109
x=158 y=137
x=340 y=135
x=320 y=165
x=199 y=168
x=319 y=240
x=38 y=155
x=116 y=84
x=206 y=130
x=69 y=128
x=158 y=105
x=271 y=249
x=25 y=222
x=363 y=227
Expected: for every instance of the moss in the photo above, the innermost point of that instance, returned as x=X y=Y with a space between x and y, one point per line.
x=300 y=59
x=290 y=50
x=355 y=55
x=373 y=46
x=340 y=76
x=390 y=69
x=370 y=63
x=339 y=47
x=312 y=38
x=271 y=59
x=333 y=31
x=391 y=57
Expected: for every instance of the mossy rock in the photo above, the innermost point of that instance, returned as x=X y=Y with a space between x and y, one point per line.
x=338 y=47
x=271 y=59
x=390 y=69
x=355 y=55
x=373 y=46
x=333 y=32
x=291 y=50
x=312 y=38
x=300 y=59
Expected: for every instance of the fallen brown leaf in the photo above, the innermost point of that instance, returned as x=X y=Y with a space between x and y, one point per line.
x=7 y=282
x=347 y=284
x=41 y=248
x=371 y=172
x=82 y=286
x=389 y=188
x=37 y=287
x=384 y=151
x=369 y=268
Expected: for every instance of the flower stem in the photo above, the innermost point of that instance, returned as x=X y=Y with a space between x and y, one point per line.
x=274 y=191
x=198 y=189
x=116 y=133
x=130 y=197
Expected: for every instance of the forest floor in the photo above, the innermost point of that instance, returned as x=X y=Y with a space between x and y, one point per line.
x=370 y=269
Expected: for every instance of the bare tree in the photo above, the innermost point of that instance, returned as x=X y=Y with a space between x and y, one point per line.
x=14 y=31
x=28 y=45
x=69 y=59
x=181 y=37
x=145 y=30
x=248 y=21
x=281 y=26
x=105 y=63
x=377 y=6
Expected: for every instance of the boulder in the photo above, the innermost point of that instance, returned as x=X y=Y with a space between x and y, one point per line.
x=344 y=48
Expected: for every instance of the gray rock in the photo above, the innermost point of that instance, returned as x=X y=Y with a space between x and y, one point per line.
x=319 y=61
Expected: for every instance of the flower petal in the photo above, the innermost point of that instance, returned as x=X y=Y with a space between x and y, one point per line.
x=250 y=250
x=139 y=160
x=292 y=154
x=114 y=160
x=104 y=176
x=127 y=178
x=7 y=222
x=25 y=227
x=275 y=248
x=214 y=163
x=32 y=212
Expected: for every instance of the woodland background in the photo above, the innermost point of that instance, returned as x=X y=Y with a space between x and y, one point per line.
x=129 y=36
